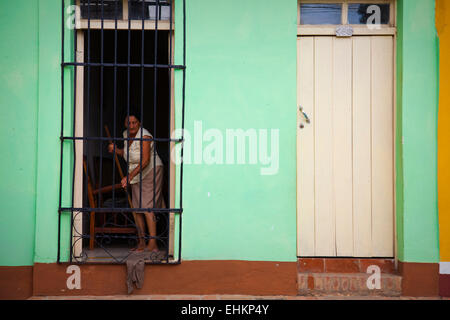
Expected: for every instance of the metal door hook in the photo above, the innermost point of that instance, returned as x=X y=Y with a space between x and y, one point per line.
x=305 y=118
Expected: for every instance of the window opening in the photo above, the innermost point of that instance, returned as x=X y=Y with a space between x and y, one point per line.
x=123 y=84
x=320 y=13
x=95 y=10
x=359 y=13
x=153 y=11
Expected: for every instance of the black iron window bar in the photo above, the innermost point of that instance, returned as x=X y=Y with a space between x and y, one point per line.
x=101 y=240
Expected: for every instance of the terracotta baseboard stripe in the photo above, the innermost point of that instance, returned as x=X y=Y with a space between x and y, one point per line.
x=419 y=279
x=195 y=277
x=16 y=283
x=444 y=285
x=191 y=277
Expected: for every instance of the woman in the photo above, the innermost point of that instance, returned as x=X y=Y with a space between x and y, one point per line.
x=132 y=154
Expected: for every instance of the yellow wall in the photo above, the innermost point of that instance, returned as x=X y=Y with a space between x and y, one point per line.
x=443 y=26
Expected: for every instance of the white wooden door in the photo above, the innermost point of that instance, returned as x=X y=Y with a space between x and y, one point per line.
x=345 y=163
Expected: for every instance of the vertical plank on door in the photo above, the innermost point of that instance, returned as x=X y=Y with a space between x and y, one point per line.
x=305 y=149
x=342 y=145
x=382 y=147
x=362 y=202
x=324 y=222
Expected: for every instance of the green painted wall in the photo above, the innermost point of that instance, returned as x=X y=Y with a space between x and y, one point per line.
x=31 y=121
x=49 y=123
x=241 y=60
x=18 y=131
x=241 y=73
x=417 y=214
x=49 y=131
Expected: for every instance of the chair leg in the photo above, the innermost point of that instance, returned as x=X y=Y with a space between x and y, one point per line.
x=92 y=231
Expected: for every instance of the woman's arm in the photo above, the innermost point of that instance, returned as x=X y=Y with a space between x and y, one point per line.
x=118 y=151
x=145 y=157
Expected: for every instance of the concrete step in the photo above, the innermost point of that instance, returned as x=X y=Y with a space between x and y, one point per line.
x=350 y=284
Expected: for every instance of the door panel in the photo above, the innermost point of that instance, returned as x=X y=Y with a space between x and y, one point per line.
x=345 y=155
x=323 y=132
x=305 y=171
x=362 y=151
x=382 y=147
x=342 y=144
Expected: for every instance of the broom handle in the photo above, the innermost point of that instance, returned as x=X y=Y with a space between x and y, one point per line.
x=118 y=165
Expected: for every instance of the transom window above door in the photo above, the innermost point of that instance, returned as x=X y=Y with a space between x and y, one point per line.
x=343 y=12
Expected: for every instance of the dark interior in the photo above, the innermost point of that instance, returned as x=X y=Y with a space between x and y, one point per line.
x=124 y=90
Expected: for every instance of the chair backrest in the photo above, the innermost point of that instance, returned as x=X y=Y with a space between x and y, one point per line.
x=92 y=201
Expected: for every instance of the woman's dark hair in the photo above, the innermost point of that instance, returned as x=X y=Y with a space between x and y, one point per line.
x=134 y=114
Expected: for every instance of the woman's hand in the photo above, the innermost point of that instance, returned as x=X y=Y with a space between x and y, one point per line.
x=124 y=182
x=111 y=148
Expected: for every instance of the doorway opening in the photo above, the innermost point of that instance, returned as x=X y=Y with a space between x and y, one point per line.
x=346 y=129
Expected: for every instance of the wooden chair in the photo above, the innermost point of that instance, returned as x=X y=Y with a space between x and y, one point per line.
x=93 y=228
